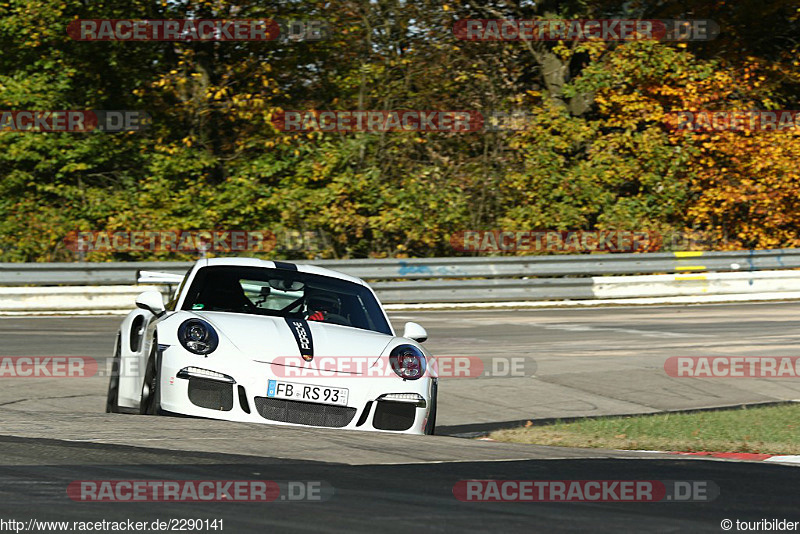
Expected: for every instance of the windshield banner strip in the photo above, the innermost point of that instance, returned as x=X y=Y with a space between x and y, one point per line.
x=302 y=334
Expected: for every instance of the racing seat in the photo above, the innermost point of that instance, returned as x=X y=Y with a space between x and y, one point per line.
x=224 y=294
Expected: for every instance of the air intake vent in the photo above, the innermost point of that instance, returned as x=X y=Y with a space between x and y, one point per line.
x=394 y=415
x=304 y=413
x=211 y=394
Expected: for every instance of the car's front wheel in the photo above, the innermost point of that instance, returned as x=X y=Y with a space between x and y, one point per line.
x=150 y=403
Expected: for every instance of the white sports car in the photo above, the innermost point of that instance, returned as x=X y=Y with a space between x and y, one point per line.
x=273 y=342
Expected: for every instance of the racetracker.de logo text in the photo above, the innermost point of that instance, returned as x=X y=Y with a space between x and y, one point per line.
x=47 y=366
x=575 y=241
x=198 y=30
x=74 y=121
x=375 y=367
x=585 y=490
x=379 y=121
x=733 y=366
x=585 y=30
x=199 y=490
x=171 y=241
x=173 y=30
x=736 y=121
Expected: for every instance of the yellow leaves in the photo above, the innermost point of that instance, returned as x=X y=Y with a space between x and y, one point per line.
x=562 y=50
x=755 y=175
x=171 y=150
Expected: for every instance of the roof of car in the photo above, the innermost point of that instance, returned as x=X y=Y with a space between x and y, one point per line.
x=268 y=264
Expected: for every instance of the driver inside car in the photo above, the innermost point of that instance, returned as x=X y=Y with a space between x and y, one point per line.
x=322 y=305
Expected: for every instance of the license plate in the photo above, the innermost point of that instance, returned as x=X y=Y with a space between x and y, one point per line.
x=307 y=393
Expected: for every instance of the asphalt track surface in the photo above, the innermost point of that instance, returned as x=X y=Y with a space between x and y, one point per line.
x=580 y=362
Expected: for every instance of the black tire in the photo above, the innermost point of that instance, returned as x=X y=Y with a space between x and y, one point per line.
x=112 y=398
x=150 y=403
x=430 y=426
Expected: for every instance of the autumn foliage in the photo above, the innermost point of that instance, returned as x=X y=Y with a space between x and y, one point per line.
x=599 y=149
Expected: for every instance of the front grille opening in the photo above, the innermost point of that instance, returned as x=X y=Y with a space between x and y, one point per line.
x=394 y=415
x=243 y=400
x=211 y=394
x=304 y=413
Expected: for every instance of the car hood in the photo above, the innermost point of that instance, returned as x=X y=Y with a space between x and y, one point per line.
x=270 y=339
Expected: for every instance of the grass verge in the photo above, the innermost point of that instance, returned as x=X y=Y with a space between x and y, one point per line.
x=769 y=430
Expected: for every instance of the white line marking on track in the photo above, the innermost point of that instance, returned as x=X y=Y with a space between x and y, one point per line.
x=788 y=459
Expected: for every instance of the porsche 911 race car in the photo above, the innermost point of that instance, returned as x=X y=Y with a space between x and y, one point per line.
x=273 y=342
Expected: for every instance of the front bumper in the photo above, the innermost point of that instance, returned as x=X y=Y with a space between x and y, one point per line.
x=239 y=393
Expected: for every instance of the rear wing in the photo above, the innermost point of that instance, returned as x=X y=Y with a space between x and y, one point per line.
x=152 y=277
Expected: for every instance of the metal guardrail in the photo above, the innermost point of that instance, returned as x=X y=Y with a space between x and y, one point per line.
x=697 y=287
x=94 y=287
x=81 y=274
x=505 y=268
x=492 y=290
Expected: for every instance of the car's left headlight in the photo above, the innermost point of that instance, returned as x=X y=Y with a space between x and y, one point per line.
x=198 y=336
x=408 y=362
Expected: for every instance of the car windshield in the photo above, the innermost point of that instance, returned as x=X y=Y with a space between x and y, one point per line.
x=283 y=293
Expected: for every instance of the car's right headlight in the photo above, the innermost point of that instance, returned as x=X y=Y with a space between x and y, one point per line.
x=198 y=336
x=408 y=362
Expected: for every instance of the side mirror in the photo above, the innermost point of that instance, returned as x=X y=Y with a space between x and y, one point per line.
x=151 y=301
x=415 y=332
